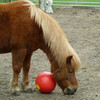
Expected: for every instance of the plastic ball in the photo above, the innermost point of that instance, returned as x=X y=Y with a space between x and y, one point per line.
x=45 y=82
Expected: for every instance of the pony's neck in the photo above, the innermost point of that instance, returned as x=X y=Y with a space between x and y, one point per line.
x=52 y=60
x=54 y=64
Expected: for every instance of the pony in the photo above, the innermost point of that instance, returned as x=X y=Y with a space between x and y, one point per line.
x=45 y=5
x=24 y=28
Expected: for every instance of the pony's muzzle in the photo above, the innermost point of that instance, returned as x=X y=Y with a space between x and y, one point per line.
x=69 y=91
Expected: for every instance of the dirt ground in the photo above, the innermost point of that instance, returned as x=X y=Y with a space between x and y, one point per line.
x=82 y=27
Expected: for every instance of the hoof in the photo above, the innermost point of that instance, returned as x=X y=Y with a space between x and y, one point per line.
x=28 y=90
x=16 y=93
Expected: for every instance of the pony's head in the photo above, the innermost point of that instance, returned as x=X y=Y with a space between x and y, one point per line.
x=65 y=77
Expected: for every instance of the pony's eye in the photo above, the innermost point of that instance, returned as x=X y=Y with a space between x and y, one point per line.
x=70 y=71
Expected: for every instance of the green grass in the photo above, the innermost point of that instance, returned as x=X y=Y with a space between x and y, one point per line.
x=81 y=0
x=5 y=1
x=62 y=0
x=75 y=2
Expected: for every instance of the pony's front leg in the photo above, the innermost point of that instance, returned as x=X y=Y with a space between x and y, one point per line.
x=17 y=62
x=25 y=85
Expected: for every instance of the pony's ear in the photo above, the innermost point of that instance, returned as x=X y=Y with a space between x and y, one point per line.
x=68 y=59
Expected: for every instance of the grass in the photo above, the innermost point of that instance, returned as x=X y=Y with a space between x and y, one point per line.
x=5 y=1
x=79 y=2
x=75 y=2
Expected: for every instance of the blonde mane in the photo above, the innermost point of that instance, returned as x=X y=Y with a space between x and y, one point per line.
x=54 y=36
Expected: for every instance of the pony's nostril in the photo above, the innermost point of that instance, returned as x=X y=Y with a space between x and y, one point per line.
x=69 y=91
x=74 y=90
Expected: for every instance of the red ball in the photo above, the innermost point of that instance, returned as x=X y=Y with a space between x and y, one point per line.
x=45 y=82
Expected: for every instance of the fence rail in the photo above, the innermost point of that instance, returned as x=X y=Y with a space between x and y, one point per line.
x=76 y=3
x=80 y=3
x=73 y=3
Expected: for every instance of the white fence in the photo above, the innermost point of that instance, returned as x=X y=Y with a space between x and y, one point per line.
x=73 y=3
x=77 y=3
x=69 y=3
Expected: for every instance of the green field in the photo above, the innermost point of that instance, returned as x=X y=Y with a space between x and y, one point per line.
x=5 y=1
x=67 y=2
x=78 y=2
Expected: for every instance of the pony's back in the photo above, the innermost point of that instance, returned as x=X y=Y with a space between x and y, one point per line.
x=17 y=29
x=18 y=12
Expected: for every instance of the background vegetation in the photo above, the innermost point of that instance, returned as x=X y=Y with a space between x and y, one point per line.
x=66 y=2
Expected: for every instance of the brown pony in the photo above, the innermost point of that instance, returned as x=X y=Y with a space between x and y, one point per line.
x=24 y=29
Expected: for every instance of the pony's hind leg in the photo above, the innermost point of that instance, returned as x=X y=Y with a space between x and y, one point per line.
x=25 y=85
x=17 y=63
